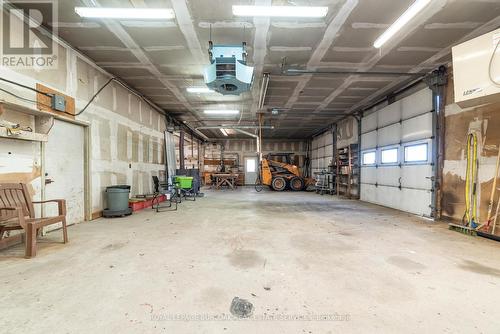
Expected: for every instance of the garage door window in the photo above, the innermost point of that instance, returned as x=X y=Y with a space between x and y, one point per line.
x=416 y=153
x=369 y=158
x=389 y=156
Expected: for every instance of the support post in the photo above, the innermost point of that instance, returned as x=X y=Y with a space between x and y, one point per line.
x=437 y=82
x=181 y=151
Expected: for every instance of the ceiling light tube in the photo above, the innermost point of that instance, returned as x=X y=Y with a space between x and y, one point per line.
x=410 y=13
x=199 y=90
x=224 y=132
x=125 y=13
x=221 y=112
x=280 y=11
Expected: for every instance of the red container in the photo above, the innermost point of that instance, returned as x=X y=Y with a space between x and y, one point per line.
x=136 y=206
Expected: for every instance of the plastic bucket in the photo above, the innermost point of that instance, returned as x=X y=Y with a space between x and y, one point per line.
x=117 y=197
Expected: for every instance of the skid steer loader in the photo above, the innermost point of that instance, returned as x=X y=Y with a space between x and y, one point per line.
x=281 y=175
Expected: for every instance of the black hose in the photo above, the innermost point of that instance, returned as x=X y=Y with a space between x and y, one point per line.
x=27 y=87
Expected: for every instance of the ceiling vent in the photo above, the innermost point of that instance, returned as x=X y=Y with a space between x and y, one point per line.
x=228 y=73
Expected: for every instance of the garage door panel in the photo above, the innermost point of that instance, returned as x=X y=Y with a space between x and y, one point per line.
x=328 y=138
x=389 y=196
x=329 y=151
x=417 y=128
x=321 y=141
x=417 y=103
x=388 y=176
x=368 y=193
x=417 y=176
x=416 y=201
x=389 y=135
x=321 y=152
x=321 y=163
x=369 y=123
x=314 y=144
x=369 y=140
x=369 y=175
x=389 y=114
x=314 y=163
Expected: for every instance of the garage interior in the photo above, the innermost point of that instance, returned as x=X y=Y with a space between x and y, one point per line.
x=190 y=166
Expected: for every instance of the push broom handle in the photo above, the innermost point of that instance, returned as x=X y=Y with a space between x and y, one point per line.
x=493 y=190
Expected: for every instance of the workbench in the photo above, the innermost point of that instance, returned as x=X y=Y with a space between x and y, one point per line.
x=225 y=179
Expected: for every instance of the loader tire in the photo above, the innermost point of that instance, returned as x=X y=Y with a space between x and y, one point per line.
x=278 y=183
x=296 y=183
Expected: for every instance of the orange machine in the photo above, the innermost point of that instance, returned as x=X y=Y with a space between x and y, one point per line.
x=280 y=175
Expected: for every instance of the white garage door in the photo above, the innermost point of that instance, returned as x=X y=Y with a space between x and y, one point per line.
x=322 y=152
x=396 y=155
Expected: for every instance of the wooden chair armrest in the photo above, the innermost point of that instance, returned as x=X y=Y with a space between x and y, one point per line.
x=48 y=201
x=61 y=203
x=10 y=208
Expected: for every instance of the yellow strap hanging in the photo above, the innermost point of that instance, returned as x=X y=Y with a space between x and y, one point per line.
x=470 y=215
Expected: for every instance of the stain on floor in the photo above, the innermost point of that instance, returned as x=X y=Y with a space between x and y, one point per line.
x=479 y=268
x=405 y=263
x=245 y=258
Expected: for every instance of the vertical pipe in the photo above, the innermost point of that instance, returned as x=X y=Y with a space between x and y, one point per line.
x=165 y=152
x=192 y=147
x=259 y=139
x=165 y=148
x=199 y=158
x=359 y=154
x=181 y=150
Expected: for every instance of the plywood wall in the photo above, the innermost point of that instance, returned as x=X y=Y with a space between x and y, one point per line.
x=484 y=120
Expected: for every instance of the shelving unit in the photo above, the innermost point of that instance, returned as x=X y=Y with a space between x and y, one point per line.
x=347 y=166
x=39 y=122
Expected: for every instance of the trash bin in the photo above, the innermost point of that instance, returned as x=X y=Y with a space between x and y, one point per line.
x=117 y=198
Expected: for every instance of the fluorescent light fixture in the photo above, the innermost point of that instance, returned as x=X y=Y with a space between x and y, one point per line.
x=199 y=90
x=125 y=13
x=280 y=11
x=224 y=132
x=221 y=112
x=410 y=13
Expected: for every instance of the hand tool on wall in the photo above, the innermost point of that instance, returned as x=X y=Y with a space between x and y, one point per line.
x=470 y=215
x=492 y=197
x=496 y=216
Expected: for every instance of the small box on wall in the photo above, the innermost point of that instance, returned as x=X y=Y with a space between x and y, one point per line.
x=476 y=70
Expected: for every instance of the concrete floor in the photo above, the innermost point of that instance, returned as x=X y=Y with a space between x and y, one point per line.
x=369 y=269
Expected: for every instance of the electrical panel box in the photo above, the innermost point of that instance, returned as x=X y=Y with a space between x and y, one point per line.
x=58 y=103
x=475 y=81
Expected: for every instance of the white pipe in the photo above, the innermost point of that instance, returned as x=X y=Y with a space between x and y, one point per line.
x=263 y=90
x=251 y=135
